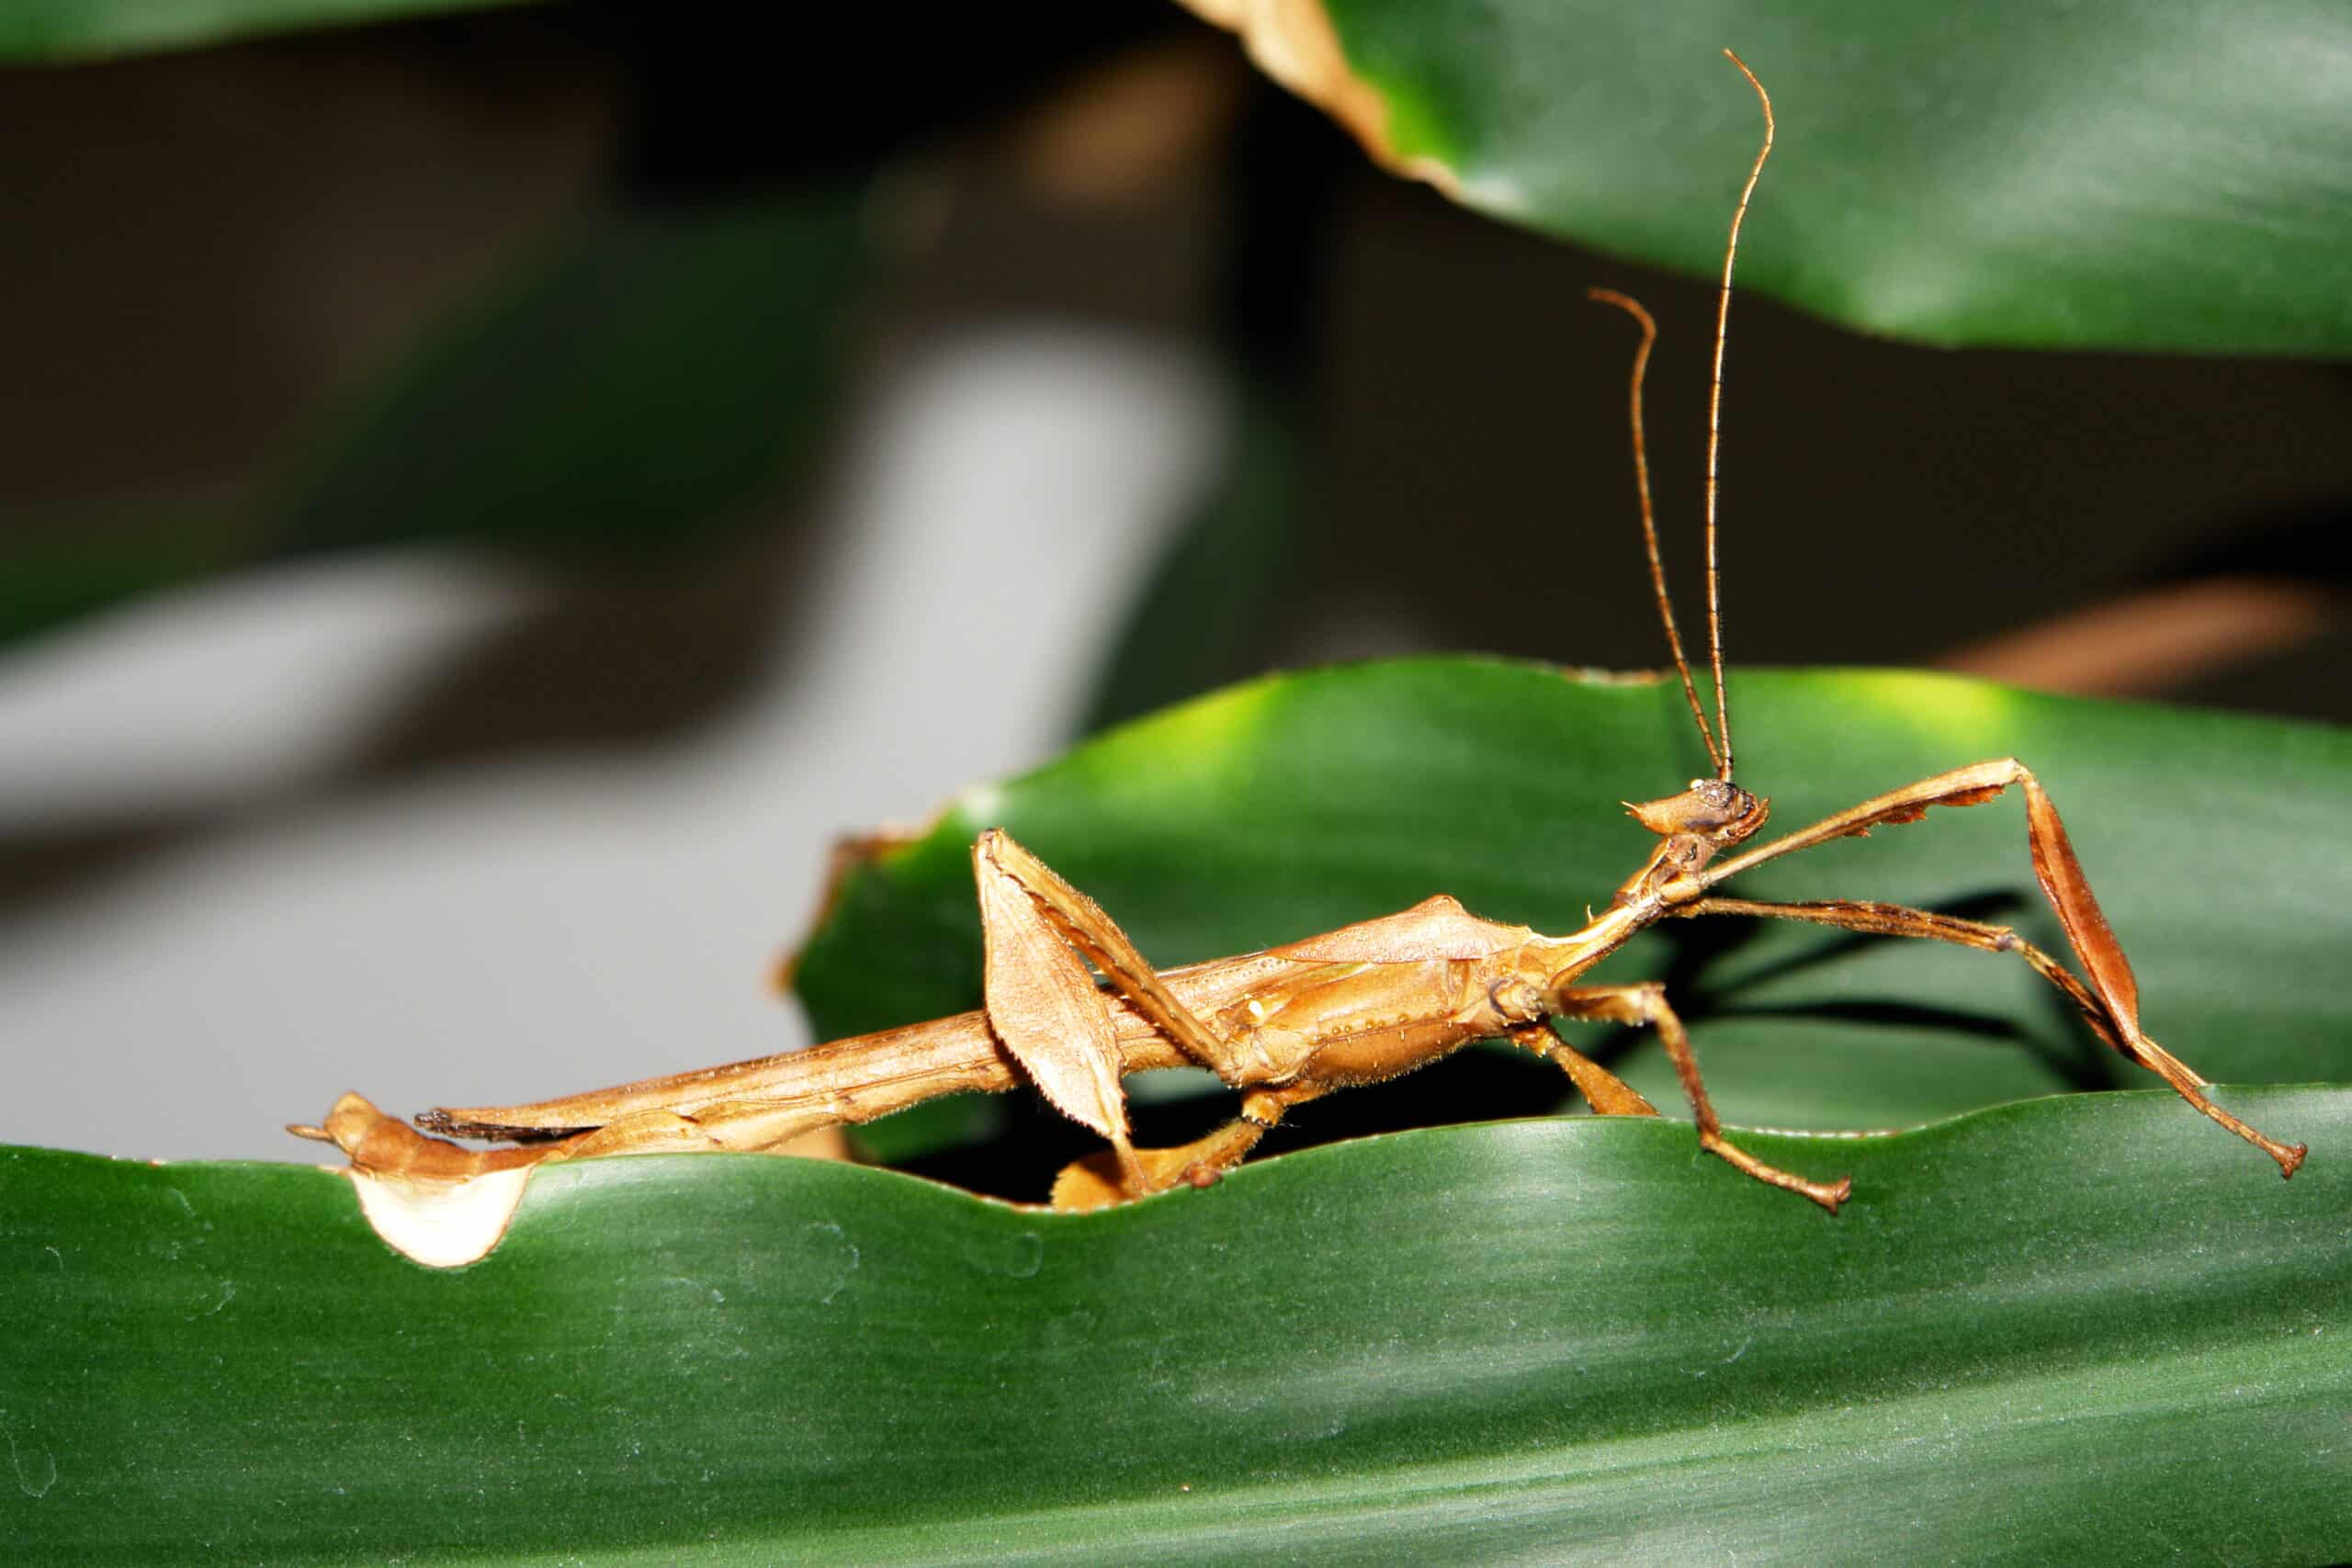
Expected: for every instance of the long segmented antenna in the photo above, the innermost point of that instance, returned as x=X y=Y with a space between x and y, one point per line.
x=1632 y=308
x=1715 y=416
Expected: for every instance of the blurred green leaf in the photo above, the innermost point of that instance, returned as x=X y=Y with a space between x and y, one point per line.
x=2174 y=176
x=48 y=581
x=45 y=30
x=1293 y=805
x=2088 y=1330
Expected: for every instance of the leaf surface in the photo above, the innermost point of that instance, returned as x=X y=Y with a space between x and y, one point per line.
x=2086 y=1328
x=2009 y=173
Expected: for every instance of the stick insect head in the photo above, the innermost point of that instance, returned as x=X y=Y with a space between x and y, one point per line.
x=1716 y=812
x=1708 y=817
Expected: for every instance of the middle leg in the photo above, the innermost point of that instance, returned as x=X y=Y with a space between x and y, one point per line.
x=1607 y=1094
x=1647 y=1004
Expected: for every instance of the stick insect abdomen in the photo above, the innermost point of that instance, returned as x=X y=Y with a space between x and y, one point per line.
x=866 y=1075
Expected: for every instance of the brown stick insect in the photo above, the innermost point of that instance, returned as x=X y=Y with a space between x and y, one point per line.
x=1354 y=1006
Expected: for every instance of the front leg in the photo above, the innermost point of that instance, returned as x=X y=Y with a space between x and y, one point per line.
x=2112 y=997
x=1899 y=920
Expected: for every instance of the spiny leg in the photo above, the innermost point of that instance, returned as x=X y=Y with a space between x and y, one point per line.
x=1607 y=1094
x=2055 y=867
x=1057 y=1022
x=1083 y=925
x=2063 y=884
x=1044 y=1008
x=1901 y=919
x=1636 y=1005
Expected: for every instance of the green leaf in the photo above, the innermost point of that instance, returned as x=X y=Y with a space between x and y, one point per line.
x=2088 y=1330
x=84 y=29
x=2011 y=171
x=1269 y=811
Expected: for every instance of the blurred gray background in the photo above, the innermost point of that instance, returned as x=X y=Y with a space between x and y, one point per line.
x=1137 y=379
